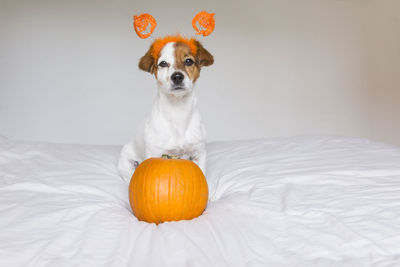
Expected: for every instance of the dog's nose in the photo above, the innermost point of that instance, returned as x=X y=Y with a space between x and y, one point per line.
x=177 y=77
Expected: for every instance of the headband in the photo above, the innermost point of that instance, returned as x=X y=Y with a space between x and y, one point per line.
x=204 y=19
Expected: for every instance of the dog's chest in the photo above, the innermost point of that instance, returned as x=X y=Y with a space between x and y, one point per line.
x=177 y=138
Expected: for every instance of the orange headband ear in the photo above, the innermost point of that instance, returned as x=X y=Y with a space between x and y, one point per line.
x=205 y=20
x=140 y=24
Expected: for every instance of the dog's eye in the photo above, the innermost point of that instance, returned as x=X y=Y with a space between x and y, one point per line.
x=189 y=62
x=163 y=64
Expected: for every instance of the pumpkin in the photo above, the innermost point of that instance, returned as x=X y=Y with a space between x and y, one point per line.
x=167 y=189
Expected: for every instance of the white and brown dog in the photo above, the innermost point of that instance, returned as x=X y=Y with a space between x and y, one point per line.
x=174 y=125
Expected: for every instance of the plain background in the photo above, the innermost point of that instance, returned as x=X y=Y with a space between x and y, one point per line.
x=68 y=69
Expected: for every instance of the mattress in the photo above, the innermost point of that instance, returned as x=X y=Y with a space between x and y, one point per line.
x=298 y=201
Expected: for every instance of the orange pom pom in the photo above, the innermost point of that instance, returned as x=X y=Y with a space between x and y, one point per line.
x=140 y=24
x=205 y=20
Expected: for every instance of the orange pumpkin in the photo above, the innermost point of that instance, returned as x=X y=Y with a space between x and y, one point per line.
x=165 y=189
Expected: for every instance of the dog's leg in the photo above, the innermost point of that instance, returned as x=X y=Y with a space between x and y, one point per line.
x=200 y=160
x=128 y=161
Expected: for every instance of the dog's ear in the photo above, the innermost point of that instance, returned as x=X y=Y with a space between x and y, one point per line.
x=147 y=62
x=203 y=57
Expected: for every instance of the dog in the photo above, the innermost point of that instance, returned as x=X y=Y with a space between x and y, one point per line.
x=174 y=125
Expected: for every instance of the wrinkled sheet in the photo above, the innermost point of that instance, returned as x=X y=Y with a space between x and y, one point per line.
x=301 y=201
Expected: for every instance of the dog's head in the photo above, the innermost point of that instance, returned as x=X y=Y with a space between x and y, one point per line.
x=176 y=63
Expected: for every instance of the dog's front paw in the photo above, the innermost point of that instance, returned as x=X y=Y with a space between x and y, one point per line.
x=127 y=167
x=134 y=164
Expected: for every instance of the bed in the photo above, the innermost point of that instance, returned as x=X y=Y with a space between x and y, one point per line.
x=298 y=201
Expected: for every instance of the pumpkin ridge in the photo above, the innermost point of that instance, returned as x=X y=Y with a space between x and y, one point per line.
x=198 y=202
x=169 y=189
x=149 y=201
x=143 y=193
x=158 y=214
x=156 y=184
x=192 y=190
x=164 y=216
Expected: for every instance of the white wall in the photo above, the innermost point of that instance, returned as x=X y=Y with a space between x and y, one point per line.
x=384 y=71
x=68 y=69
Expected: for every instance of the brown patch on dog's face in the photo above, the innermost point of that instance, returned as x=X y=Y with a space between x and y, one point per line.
x=185 y=61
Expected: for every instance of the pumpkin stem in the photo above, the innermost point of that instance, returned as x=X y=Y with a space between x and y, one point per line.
x=166 y=156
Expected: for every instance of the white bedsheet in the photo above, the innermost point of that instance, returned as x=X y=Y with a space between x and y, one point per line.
x=303 y=201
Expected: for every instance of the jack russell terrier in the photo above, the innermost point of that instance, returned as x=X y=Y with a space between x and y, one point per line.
x=174 y=125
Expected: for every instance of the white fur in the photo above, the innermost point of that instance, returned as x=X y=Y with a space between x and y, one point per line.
x=173 y=127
